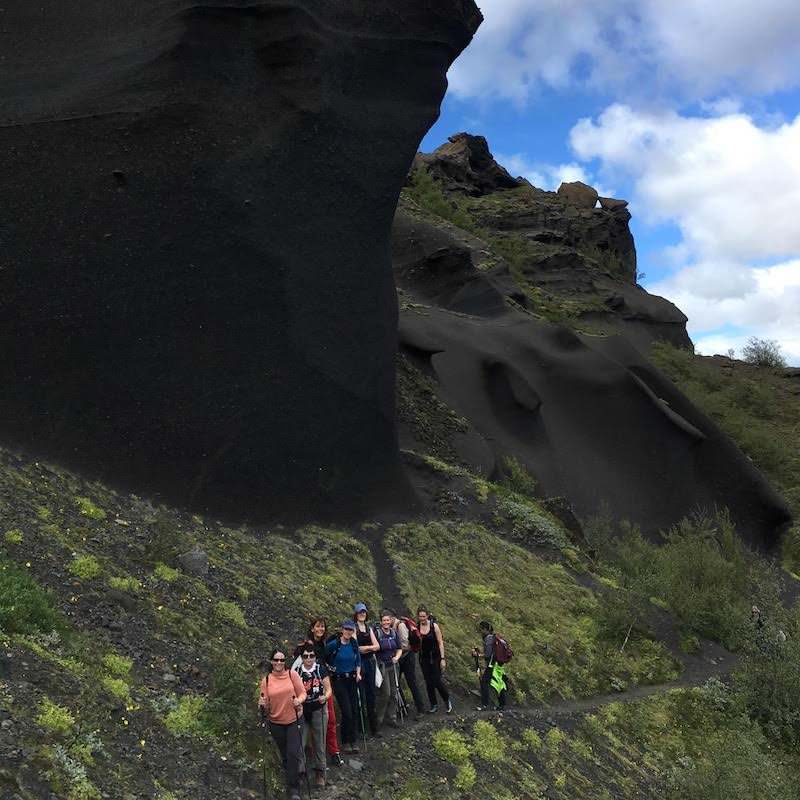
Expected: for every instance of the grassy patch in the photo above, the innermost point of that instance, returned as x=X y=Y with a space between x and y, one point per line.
x=13 y=536
x=25 y=607
x=85 y=567
x=164 y=573
x=54 y=718
x=227 y=611
x=702 y=572
x=125 y=584
x=89 y=509
x=545 y=614
x=117 y=665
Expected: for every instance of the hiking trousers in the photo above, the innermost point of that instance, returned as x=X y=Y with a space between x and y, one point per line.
x=330 y=739
x=290 y=744
x=316 y=727
x=367 y=689
x=346 y=693
x=388 y=709
x=486 y=685
x=432 y=672
x=407 y=667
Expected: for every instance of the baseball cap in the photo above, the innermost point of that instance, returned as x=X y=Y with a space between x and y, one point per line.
x=348 y=623
x=359 y=607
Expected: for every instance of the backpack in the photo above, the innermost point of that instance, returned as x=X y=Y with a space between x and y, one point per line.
x=331 y=659
x=390 y=642
x=502 y=652
x=414 y=639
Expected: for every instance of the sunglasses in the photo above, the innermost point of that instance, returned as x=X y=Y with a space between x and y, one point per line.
x=309 y=655
x=279 y=660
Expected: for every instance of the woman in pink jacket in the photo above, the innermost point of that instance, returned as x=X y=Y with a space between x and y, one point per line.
x=281 y=702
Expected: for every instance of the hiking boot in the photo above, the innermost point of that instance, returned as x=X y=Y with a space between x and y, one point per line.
x=449 y=706
x=337 y=760
x=319 y=779
x=433 y=709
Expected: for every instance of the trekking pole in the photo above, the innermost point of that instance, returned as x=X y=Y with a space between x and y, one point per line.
x=263 y=726
x=302 y=749
x=361 y=716
x=400 y=701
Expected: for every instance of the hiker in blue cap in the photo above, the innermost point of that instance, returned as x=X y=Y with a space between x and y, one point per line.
x=367 y=646
x=344 y=662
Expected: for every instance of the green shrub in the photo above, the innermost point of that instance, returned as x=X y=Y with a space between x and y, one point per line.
x=428 y=193
x=465 y=778
x=116 y=687
x=24 y=606
x=228 y=611
x=487 y=743
x=736 y=764
x=530 y=524
x=13 y=536
x=187 y=717
x=126 y=584
x=532 y=739
x=85 y=567
x=54 y=718
x=117 y=665
x=517 y=478
x=164 y=573
x=451 y=746
x=228 y=708
x=89 y=509
x=768 y=682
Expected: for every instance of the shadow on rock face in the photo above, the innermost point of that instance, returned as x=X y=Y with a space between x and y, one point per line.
x=197 y=299
x=592 y=420
x=589 y=416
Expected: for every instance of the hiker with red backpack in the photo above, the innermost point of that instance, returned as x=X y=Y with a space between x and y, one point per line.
x=496 y=653
x=408 y=636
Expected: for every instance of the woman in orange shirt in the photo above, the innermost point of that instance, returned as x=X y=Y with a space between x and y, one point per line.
x=282 y=698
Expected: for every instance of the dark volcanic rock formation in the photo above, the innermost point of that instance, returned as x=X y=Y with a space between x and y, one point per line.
x=590 y=417
x=564 y=244
x=465 y=165
x=196 y=290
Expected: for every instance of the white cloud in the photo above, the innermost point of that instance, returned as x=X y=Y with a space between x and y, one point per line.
x=749 y=301
x=695 y=46
x=732 y=188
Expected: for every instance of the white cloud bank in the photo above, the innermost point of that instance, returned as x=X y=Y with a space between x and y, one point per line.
x=733 y=189
x=697 y=47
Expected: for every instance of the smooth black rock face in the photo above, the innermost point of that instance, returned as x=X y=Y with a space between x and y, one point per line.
x=197 y=299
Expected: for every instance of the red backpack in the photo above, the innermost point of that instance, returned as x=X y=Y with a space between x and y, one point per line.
x=502 y=650
x=414 y=639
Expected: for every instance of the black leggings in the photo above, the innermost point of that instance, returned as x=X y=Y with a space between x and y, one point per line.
x=290 y=743
x=346 y=694
x=432 y=672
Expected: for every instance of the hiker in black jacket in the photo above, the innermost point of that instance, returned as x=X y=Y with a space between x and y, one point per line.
x=488 y=635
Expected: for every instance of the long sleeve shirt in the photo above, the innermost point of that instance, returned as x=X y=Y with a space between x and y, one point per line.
x=277 y=693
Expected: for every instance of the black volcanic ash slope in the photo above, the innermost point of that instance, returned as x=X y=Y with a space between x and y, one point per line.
x=583 y=409
x=196 y=290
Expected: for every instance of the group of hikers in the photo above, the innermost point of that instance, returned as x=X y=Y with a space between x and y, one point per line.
x=360 y=666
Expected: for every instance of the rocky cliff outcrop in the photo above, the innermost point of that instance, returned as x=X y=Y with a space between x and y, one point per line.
x=563 y=243
x=197 y=298
x=577 y=402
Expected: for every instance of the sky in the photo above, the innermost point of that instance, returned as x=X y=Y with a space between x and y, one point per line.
x=690 y=110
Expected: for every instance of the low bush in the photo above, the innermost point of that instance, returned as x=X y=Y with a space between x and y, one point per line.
x=24 y=606
x=54 y=718
x=85 y=567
